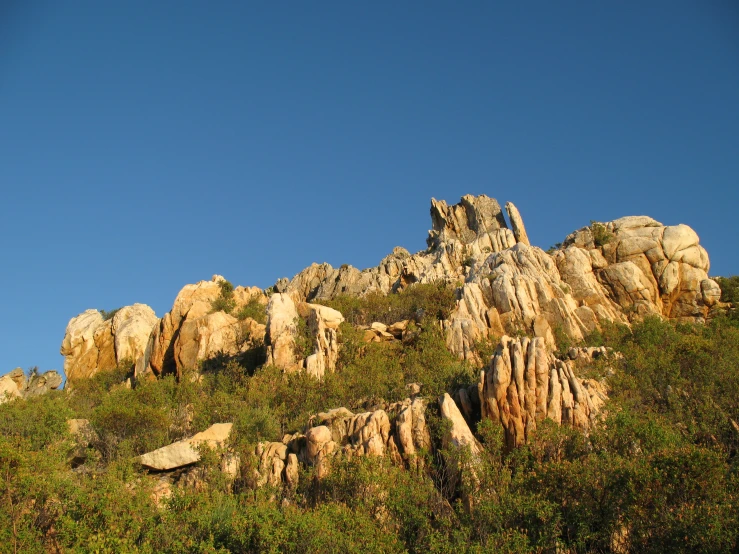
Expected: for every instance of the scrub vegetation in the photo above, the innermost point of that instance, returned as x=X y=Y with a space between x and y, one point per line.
x=660 y=473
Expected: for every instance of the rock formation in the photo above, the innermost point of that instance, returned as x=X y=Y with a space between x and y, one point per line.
x=185 y=452
x=16 y=385
x=615 y=271
x=643 y=267
x=524 y=384
x=458 y=434
x=92 y=344
x=192 y=331
x=399 y=431
x=282 y=334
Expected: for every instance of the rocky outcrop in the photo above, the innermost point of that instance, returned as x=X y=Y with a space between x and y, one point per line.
x=379 y=332
x=643 y=266
x=9 y=385
x=466 y=231
x=615 y=271
x=16 y=385
x=272 y=460
x=218 y=333
x=519 y=231
x=457 y=435
x=282 y=330
x=185 y=452
x=524 y=384
x=323 y=325
x=92 y=344
x=192 y=332
x=282 y=333
x=41 y=383
x=399 y=432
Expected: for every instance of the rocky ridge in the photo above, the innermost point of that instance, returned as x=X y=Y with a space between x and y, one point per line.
x=615 y=271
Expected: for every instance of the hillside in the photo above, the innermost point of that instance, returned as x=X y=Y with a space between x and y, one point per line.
x=480 y=395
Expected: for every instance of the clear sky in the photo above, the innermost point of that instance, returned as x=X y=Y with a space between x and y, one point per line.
x=146 y=145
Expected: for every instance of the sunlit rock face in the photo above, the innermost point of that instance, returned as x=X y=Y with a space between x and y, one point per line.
x=615 y=271
x=524 y=384
x=193 y=332
x=92 y=344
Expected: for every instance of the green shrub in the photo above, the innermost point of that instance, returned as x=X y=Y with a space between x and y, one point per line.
x=253 y=309
x=436 y=300
x=304 y=341
x=729 y=288
x=108 y=314
x=601 y=235
x=225 y=301
x=39 y=420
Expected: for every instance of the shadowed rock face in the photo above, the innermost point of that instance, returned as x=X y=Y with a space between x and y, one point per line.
x=192 y=332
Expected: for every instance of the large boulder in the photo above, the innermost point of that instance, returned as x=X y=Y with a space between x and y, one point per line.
x=213 y=334
x=41 y=383
x=184 y=452
x=457 y=435
x=644 y=267
x=411 y=432
x=9 y=389
x=282 y=315
x=323 y=324
x=92 y=344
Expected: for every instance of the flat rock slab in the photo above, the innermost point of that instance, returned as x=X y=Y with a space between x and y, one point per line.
x=183 y=452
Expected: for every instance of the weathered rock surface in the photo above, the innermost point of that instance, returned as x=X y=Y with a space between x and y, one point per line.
x=282 y=329
x=458 y=434
x=525 y=384
x=616 y=271
x=184 y=452
x=272 y=461
x=399 y=432
x=645 y=267
x=323 y=324
x=16 y=385
x=8 y=388
x=191 y=332
x=511 y=287
x=92 y=344
x=41 y=383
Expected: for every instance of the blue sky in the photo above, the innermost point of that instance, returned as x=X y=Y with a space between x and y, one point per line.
x=146 y=145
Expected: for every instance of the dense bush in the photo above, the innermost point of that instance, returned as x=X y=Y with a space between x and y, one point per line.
x=601 y=235
x=729 y=288
x=435 y=300
x=225 y=301
x=253 y=309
